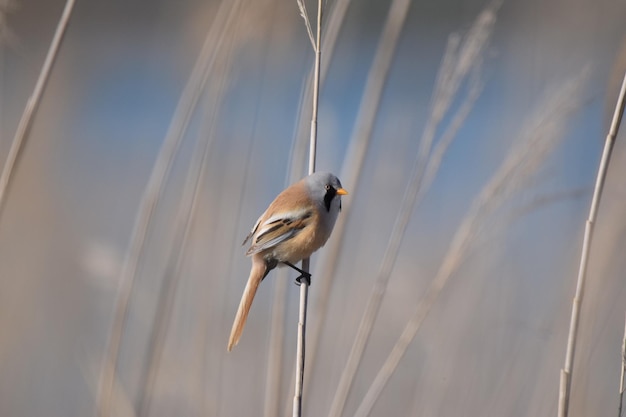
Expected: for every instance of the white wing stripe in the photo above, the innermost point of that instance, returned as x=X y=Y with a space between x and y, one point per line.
x=290 y=215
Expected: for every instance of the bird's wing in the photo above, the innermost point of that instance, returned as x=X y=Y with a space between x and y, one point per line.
x=278 y=228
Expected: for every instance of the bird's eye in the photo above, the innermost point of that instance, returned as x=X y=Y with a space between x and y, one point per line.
x=327 y=187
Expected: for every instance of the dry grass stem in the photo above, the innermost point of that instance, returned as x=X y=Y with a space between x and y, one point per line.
x=32 y=104
x=622 y=372
x=300 y=144
x=154 y=188
x=546 y=128
x=357 y=149
x=297 y=162
x=566 y=372
x=304 y=287
x=456 y=64
x=300 y=349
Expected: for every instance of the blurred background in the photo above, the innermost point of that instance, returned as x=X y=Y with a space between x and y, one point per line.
x=468 y=134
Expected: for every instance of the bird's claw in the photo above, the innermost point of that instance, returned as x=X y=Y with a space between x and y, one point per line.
x=306 y=277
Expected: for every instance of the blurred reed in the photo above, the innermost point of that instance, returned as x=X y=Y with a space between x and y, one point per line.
x=459 y=58
x=546 y=200
x=541 y=134
x=7 y=36
x=460 y=66
x=205 y=65
x=187 y=210
x=32 y=104
x=358 y=147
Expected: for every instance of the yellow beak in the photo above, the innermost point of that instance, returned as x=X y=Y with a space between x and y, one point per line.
x=341 y=191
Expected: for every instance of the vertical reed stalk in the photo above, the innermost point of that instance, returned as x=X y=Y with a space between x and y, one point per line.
x=357 y=150
x=33 y=102
x=304 y=287
x=332 y=25
x=623 y=371
x=566 y=372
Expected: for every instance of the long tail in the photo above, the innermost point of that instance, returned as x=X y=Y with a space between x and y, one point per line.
x=257 y=273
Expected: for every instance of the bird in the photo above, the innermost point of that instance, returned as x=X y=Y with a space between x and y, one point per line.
x=297 y=223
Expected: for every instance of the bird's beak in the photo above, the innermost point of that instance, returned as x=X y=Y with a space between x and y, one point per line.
x=341 y=191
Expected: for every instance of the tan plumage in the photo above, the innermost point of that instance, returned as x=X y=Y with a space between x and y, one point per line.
x=256 y=276
x=296 y=224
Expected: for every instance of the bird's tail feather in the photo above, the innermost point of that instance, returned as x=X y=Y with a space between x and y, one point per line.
x=257 y=273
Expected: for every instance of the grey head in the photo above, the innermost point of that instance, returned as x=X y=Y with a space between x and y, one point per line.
x=325 y=188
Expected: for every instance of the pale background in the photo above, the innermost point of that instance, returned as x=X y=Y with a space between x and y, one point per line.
x=494 y=341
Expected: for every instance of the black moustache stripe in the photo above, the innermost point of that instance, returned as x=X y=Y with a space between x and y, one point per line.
x=328 y=198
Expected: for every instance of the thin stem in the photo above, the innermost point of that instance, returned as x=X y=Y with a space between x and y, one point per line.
x=566 y=372
x=33 y=102
x=316 y=90
x=304 y=296
x=623 y=371
x=332 y=26
x=304 y=285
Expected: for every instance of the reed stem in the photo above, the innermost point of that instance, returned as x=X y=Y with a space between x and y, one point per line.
x=566 y=372
x=33 y=102
x=304 y=285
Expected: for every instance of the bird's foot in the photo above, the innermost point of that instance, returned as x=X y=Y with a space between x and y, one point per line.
x=306 y=277
x=303 y=274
